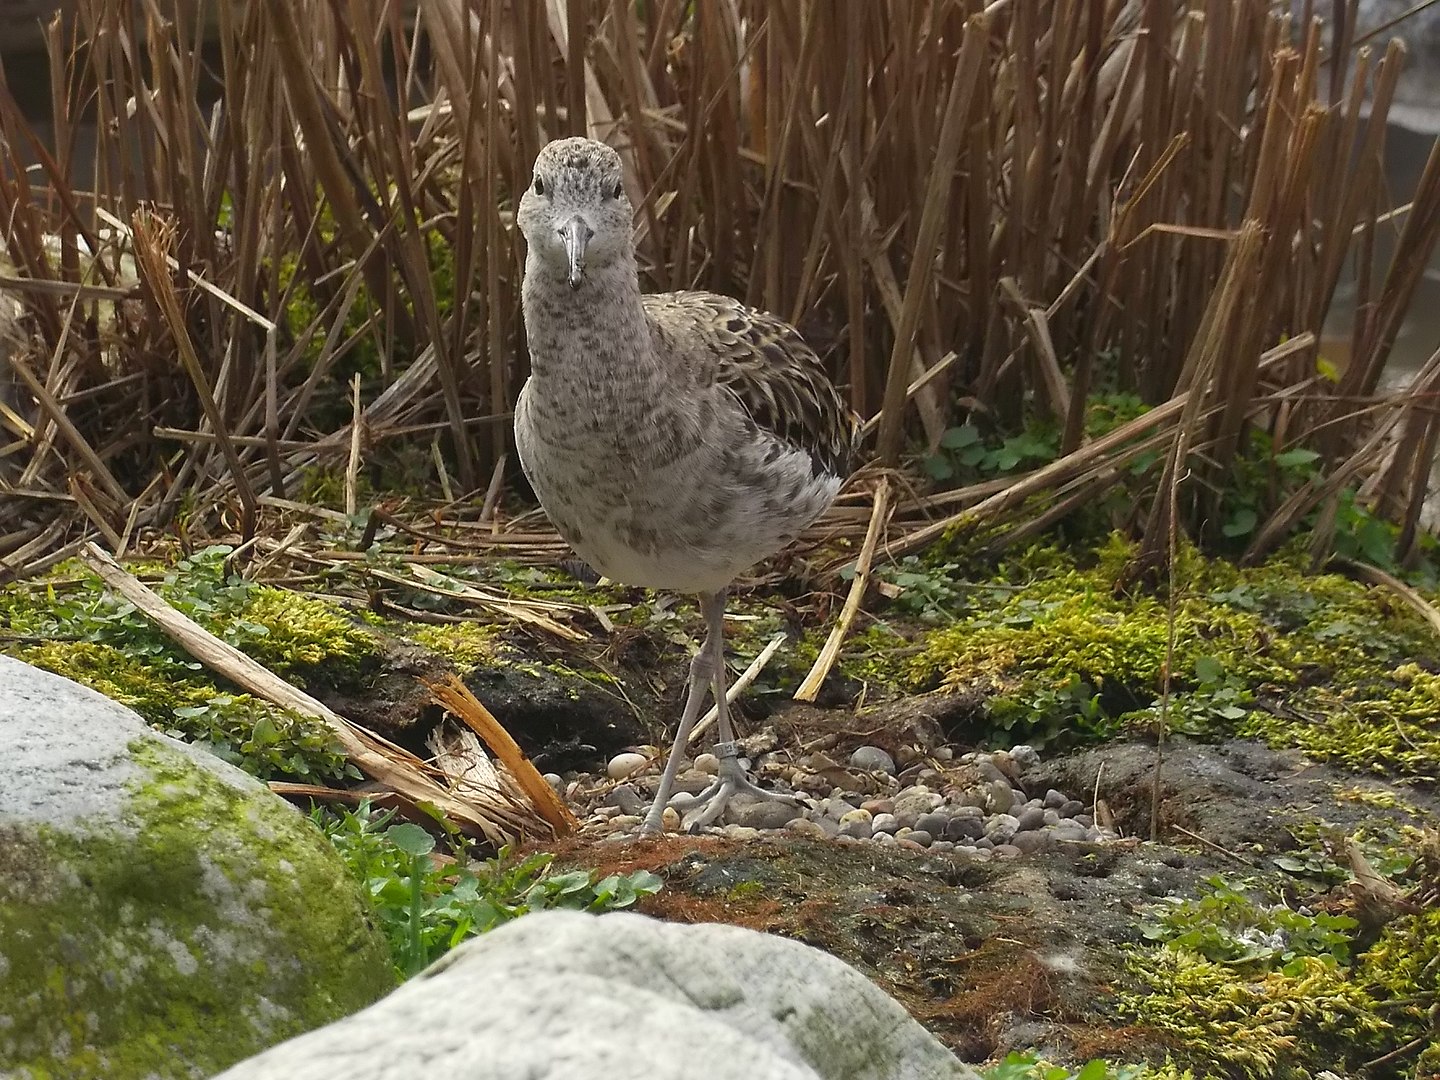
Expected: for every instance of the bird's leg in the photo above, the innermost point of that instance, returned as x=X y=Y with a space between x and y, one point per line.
x=711 y=802
x=703 y=665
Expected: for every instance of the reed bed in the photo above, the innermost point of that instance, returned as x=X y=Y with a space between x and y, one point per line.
x=299 y=250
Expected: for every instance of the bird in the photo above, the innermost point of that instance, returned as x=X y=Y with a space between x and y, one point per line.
x=673 y=439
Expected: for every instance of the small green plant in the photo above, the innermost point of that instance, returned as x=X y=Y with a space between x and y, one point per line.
x=1224 y=925
x=965 y=454
x=928 y=592
x=427 y=909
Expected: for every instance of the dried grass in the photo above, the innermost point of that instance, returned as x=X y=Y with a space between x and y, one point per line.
x=963 y=205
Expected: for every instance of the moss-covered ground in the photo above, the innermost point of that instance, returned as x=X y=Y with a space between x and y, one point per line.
x=1041 y=646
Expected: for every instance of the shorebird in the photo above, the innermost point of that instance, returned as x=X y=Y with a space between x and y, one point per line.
x=674 y=439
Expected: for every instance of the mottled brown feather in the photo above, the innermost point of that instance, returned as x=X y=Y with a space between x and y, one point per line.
x=772 y=373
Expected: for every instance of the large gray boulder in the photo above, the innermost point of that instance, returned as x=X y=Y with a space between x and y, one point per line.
x=162 y=914
x=563 y=996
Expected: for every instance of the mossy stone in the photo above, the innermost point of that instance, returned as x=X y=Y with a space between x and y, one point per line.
x=161 y=913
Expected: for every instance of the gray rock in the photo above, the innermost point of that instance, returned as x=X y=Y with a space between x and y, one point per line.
x=1083 y=819
x=857 y=824
x=989 y=771
x=999 y=797
x=1068 y=830
x=623 y=766
x=627 y=799
x=805 y=827
x=1031 y=842
x=964 y=828
x=921 y=837
x=1071 y=807
x=1052 y=817
x=1026 y=756
x=968 y=811
x=872 y=759
x=1030 y=819
x=1055 y=799
x=759 y=813
x=152 y=880
x=570 y=995
x=1007 y=851
x=972 y=797
x=884 y=823
x=917 y=801
x=932 y=823
x=1001 y=828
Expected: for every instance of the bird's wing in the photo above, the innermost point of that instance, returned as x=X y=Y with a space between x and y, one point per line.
x=765 y=363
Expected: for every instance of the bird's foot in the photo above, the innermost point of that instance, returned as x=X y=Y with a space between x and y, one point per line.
x=729 y=782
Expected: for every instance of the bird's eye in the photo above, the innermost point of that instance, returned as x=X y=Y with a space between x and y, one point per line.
x=618 y=190
x=539 y=186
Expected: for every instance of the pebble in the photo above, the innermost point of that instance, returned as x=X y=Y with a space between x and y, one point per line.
x=872 y=759
x=973 y=798
x=879 y=806
x=883 y=839
x=627 y=799
x=916 y=801
x=1001 y=828
x=1030 y=819
x=999 y=797
x=556 y=781
x=693 y=781
x=1052 y=817
x=932 y=823
x=683 y=800
x=1026 y=756
x=964 y=828
x=670 y=819
x=760 y=813
x=1071 y=807
x=625 y=821
x=921 y=837
x=708 y=764
x=1083 y=819
x=988 y=770
x=805 y=827
x=974 y=812
x=1007 y=851
x=1031 y=842
x=624 y=766
x=885 y=823
x=906 y=842
x=857 y=824
x=741 y=832
x=1055 y=799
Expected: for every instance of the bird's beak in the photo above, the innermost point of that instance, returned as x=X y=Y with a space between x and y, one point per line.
x=576 y=234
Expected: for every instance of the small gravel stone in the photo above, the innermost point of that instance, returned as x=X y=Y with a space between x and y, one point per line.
x=556 y=781
x=670 y=819
x=857 y=823
x=623 y=766
x=693 y=781
x=917 y=800
x=883 y=838
x=973 y=798
x=964 y=828
x=759 y=813
x=921 y=837
x=932 y=823
x=1052 y=817
x=1083 y=819
x=1068 y=830
x=1071 y=807
x=741 y=832
x=1055 y=799
x=1093 y=834
x=805 y=827
x=944 y=753
x=872 y=759
x=1031 y=842
x=885 y=823
x=879 y=806
x=708 y=764
x=1001 y=828
x=1007 y=851
x=682 y=800
x=908 y=844
x=999 y=796
x=1026 y=756
x=625 y=821
x=1002 y=760
x=943 y=845
x=627 y=799
x=1030 y=819
x=967 y=812
x=989 y=771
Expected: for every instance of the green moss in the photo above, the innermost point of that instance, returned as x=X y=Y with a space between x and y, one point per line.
x=1401 y=971
x=204 y=925
x=1057 y=651
x=1276 y=1025
x=284 y=631
x=465 y=644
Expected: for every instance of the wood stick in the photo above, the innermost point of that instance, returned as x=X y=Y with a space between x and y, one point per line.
x=740 y=685
x=830 y=651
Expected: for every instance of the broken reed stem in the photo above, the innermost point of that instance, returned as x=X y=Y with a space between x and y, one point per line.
x=830 y=651
x=456 y=696
x=490 y=823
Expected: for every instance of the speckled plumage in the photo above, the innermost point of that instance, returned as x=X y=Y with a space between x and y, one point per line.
x=674 y=439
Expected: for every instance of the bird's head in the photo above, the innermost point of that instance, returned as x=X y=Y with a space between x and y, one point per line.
x=574 y=214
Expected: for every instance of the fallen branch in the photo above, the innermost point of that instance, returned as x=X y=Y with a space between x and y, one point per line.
x=493 y=822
